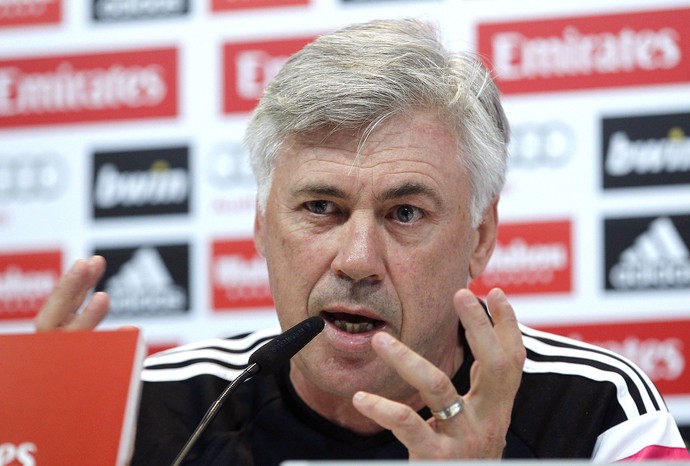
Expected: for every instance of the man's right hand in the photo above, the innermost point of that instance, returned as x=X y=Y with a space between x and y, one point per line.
x=63 y=309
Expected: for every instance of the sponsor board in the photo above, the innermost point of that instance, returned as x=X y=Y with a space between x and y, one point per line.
x=227 y=5
x=229 y=167
x=646 y=150
x=32 y=177
x=230 y=174
x=141 y=182
x=647 y=253
x=122 y=10
x=548 y=144
x=106 y=86
x=146 y=281
x=587 y=52
x=530 y=258
x=660 y=348
x=239 y=277
x=29 y=12
x=249 y=66
x=26 y=281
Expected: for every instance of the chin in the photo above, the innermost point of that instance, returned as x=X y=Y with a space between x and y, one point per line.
x=343 y=377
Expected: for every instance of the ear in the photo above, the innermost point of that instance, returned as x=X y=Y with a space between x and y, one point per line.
x=259 y=231
x=484 y=240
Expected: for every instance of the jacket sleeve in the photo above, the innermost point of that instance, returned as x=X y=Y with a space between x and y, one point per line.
x=651 y=436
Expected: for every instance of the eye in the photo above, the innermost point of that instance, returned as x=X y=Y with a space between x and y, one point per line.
x=406 y=213
x=319 y=207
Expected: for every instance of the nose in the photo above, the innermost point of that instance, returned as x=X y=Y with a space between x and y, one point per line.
x=360 y=256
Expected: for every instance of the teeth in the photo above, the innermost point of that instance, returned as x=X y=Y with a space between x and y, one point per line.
x=351 y=327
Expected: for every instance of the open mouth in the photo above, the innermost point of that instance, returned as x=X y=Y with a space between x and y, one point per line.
x=352 y=323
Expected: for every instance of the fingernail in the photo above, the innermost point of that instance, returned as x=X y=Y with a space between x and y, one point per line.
x=468 y=298
x=75 y=266
x=358 y=397
x=499 y=295
x=384 y=339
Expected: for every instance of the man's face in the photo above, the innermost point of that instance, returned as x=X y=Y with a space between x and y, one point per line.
x=380 y=242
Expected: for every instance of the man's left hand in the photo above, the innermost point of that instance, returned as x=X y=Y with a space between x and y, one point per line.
x=479 y=429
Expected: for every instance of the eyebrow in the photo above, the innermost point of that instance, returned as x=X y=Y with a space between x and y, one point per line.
x=410 y=189
x=321 y=190
x=397 y=192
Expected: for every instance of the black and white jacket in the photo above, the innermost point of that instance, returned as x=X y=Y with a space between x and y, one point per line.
x=575 y=401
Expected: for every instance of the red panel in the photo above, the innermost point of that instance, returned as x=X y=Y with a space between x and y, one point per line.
x=90 y=87
x=26 y=280
x=249 y=66
x=585 y=52
x=530 y=258
x=660 y=348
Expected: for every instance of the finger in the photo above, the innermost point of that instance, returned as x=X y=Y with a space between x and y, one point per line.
x=433 y=385
x=506 y=326
x=92 y=315
x=399 y=418
x=479 y=330
x=69 y=293
x=477 y=324
x=495 y=375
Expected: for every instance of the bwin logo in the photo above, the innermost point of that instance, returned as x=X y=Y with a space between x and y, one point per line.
x=658 y=258
x=161 y=184
x=153 y=181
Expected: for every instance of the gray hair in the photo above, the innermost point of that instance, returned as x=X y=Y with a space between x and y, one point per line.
x=359 y=76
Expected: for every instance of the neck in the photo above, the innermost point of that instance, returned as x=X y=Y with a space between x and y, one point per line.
x=338 y=408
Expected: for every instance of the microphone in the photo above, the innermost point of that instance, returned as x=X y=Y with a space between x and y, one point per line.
x=273 y=354
x=265 y=360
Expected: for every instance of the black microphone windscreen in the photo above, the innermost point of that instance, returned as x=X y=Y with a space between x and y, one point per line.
x=281 y=348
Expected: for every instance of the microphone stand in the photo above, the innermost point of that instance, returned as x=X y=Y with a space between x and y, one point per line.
x=263 y=361
x=213 y=411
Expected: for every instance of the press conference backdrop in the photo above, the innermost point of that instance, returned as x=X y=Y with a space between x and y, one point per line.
x=120 y=134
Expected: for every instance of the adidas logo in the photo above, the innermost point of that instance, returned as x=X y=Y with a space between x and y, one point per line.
x=658 y=258
x=143 y=285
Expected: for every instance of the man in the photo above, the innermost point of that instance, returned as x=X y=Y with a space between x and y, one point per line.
x=379 y=158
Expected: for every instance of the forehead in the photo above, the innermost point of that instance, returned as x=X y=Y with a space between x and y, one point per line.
x=419 y=138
